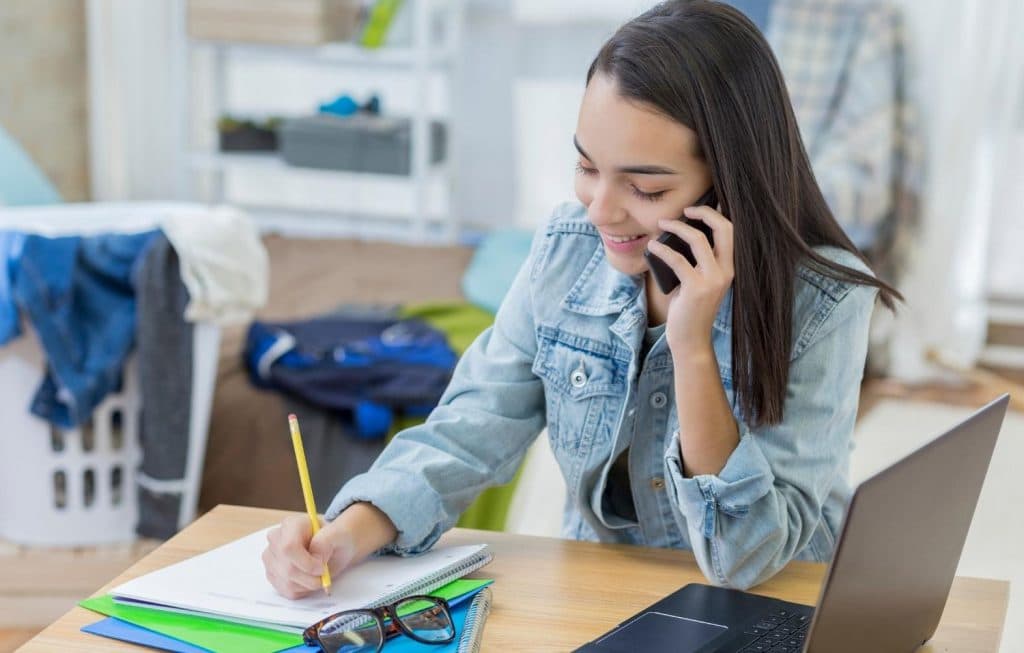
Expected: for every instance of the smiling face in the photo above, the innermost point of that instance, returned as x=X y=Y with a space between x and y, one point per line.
x=636 y=166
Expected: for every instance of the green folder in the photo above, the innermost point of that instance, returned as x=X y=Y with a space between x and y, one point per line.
x=226 y=636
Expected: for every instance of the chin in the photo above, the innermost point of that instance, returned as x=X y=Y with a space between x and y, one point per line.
x=630 y=266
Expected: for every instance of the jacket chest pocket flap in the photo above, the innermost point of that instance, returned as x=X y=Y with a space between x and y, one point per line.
x=580 y=367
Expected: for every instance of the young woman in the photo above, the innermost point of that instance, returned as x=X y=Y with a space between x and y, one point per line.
x=715 y=418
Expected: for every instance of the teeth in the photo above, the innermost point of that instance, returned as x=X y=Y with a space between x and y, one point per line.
x=623 y=239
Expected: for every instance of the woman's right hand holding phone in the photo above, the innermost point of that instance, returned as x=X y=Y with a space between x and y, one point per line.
x=294 y=558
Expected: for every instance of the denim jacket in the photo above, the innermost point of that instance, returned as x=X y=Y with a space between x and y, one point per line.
x=565 y=352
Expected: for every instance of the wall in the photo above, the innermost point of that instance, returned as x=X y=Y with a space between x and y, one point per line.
x=43 y=87
x=515 y=106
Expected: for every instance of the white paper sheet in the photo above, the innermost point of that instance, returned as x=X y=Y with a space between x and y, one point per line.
x=229 y=582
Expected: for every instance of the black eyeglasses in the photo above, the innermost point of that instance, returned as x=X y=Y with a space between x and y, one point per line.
x=426 y=619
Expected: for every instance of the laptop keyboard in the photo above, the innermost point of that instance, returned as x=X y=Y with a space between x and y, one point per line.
x=779 y=631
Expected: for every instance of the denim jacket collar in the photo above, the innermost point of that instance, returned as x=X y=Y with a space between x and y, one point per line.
x=603 y=290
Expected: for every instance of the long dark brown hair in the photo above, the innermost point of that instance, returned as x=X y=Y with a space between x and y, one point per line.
x=706 y=66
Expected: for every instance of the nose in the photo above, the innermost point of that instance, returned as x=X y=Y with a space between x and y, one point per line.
x=603 y=208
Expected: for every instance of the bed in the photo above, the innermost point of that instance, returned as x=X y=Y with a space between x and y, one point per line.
x=249 y=459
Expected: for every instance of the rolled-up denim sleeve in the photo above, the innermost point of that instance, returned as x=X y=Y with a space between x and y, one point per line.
x=753 y=517
x=486 y=419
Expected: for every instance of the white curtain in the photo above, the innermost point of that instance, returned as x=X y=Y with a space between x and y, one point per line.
x=136 y=76
x=969 y=70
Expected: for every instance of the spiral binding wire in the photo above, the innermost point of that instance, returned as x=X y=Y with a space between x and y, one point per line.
x=440 y=577
x=473 y=629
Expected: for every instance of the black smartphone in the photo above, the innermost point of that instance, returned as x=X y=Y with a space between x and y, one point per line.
x=663 y=274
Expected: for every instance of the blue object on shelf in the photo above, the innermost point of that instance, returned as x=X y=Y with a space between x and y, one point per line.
x=372 y=105
x=343 y=105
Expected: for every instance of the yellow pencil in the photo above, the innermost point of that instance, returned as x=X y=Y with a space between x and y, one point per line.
x=307 y=491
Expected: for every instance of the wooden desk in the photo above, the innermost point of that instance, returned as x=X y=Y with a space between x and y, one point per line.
x=553 y=595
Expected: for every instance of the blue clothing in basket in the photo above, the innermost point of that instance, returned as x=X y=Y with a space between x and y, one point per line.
x=365 y=369
x=10 y=251
x=78 y=296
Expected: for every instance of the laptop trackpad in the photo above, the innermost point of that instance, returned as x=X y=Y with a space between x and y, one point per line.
x=656 y=631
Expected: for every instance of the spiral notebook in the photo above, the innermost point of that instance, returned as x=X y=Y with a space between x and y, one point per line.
x=229 y=583
x=473 y=626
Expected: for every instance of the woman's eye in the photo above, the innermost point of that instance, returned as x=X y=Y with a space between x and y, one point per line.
x=584 y=170
x=651 y=197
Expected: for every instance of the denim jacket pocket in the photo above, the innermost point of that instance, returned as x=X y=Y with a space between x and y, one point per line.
x=584 y=385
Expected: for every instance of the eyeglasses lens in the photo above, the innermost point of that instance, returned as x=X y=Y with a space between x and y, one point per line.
x=427 y=620
x=352 y=633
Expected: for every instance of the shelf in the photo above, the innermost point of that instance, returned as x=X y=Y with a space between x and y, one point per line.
x=218 y=161
x=230 y=162
x=334 y=201
x=415 y=206
x=336 y=53
x=342 y=224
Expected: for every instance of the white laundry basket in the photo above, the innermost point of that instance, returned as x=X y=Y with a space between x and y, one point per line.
x=79 y=487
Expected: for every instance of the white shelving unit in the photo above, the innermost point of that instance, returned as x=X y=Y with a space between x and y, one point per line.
x=435 y=32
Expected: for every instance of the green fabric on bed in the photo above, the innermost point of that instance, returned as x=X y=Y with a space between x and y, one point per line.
x=461 y=322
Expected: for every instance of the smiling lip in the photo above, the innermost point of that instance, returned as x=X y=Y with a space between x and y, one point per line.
x=614 y=242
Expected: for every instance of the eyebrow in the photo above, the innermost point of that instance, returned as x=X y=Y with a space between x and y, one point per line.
x=630 y=170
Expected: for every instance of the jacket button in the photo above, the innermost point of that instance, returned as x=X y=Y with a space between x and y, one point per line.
x=578 y=378
x=658 y=400
x=658 y=483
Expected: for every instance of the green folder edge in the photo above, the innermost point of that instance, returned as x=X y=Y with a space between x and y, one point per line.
x=226 y=636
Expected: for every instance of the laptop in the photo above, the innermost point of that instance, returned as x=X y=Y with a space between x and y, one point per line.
x=887 y=584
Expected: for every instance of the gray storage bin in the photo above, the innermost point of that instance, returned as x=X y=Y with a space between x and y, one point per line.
x=358 y=143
